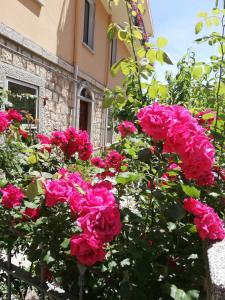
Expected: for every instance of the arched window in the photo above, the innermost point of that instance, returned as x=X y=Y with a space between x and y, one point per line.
x=85 y=109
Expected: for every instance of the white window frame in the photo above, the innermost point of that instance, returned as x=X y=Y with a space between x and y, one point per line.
x=91 y=25
x=107 y=126
x=41 y=2
x=34 y=87
x=90 y=112
x=113 y=56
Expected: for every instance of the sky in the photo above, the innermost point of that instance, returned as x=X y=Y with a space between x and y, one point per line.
x=175 y=20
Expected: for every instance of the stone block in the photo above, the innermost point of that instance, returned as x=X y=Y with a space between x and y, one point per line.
x=6 y=55
x=216 y=263
x=19 y=62
x=31 y=67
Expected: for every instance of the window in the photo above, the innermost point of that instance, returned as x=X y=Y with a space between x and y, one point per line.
x=21 y=98
x=109 y=126
x=135 y=21
x=89 y=20
x=41 y=2
x=113 y=52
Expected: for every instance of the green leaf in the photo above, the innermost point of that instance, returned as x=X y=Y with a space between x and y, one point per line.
x=176 y=211
x=197 y=72
x=193 y=294
x=178 y=294
x=222 y=88
x=208 y=22
x=161 y=42
x=127 y=177
x=34 y=189
x=153 y=90
x=141 y=52
x=207 y=69
x=112 y=30
x=30 y=204
x=198 y=27
x=122 y=34
x=125 y=262
x=137 y=34
x=116 y=67
x=202 y=14
x=65 y=243
x=166 y=59
x=48 y=258
x=163 y=91
x=208 y=116
x=190 y=191
x=151 y=55
x=216 y=21
x=215 y=11
x=32 y=159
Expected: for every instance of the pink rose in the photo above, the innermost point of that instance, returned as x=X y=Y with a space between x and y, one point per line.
x=196 y=207
x=23 y=133
x=4 y=121
x=98 y=162
x=59 y=138
x=114 y=160
x=44 y=139
x=208 y=223
x=102 y=222
x=126 y=128
x=210 y=226
x=86 y=249
x=154 y=120
x=104 y=184
x=57 y=191
x=32 y=213
x=96 y=198
x=14 y=115
x=11 y=196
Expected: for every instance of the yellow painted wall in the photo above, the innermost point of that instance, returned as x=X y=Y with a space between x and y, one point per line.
x=51 y=26
x=93 y=62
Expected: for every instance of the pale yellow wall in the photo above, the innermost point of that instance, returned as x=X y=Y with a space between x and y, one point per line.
x=51 y=26
x=93 y=62
x=96 y=63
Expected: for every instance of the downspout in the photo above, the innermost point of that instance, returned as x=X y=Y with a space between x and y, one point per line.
x=74 y=105
x=106 y=82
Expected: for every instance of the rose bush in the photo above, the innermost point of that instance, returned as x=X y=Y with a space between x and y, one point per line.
x=134 y=215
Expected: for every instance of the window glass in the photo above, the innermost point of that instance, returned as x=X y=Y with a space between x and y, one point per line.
x=109 y=137
x=21 y=97
x=89 y=22
x=113 y=52
x=86 y=21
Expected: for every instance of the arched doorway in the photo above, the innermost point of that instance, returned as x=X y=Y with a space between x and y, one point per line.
x=85 y=109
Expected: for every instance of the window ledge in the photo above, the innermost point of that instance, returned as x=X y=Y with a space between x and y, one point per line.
x=89 y=48
x=41 y=2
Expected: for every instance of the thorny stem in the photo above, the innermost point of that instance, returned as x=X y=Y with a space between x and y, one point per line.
x=220 y=70
x=133 y=48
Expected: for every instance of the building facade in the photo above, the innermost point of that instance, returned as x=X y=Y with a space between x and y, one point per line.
x=58 y=51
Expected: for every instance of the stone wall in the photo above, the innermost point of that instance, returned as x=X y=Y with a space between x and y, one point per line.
x=57 y=85
x=215 y=253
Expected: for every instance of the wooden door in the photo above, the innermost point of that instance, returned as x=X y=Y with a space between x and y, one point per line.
x=83 y=121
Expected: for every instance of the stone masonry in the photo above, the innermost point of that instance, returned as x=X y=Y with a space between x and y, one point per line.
x=57 y=86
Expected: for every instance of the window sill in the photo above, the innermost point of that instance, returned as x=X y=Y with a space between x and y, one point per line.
x=89 y=48
x=41 y=2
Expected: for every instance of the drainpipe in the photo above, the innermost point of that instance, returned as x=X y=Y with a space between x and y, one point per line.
x=106 y=81
x=74 y=105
